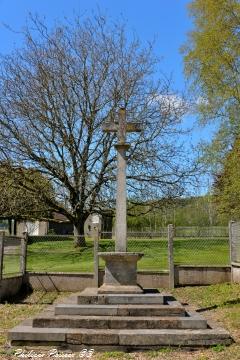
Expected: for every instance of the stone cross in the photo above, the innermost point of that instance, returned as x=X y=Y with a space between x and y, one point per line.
x=122 y=127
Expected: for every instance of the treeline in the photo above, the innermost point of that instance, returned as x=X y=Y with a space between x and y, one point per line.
x=211 y=58
x=194 y=211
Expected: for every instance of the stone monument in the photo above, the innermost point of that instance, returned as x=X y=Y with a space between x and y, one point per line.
x=121 y=266
x=119 y=315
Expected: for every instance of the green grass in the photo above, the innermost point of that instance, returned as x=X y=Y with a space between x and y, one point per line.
x=59 y=256
x=224 y=297
x=201 y=251
x=62 y=256
x=11 y=265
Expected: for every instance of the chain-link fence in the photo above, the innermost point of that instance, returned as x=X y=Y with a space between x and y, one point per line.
x=191 y=246
x=234 y=229
x=10 y=256
x=154 y=246
x=201 y=246
x=59 y=253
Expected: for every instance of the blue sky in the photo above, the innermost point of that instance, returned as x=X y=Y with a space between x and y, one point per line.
x=165 y=20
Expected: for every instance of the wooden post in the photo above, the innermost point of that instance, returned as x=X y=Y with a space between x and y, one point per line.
x=95 y=222
x=1 y=255
x=23 y=259
x=170 y=256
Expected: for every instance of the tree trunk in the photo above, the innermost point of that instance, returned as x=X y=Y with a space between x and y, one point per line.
x=79 y=237
x=10 y=226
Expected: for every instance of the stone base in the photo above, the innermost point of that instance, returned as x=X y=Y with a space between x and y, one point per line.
x=120 y=273
x=121 y=289
x=121 y=322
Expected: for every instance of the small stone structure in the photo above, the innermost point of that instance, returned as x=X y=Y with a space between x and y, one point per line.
x=125 y=322
x=120 y=273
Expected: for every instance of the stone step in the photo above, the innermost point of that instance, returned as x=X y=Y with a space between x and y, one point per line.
x=121 y=299
x=193 y=321
x=137 y=338
x=120 y=310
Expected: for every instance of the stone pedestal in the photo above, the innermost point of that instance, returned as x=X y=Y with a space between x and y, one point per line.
x=120 y=273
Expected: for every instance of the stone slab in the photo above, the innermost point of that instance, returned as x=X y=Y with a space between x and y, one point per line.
x=120 y=322
x=126 y=339
x=120 y=289
x=121 y=299
x=29 y=333
x=120 y=310
x=134 y=299
x=93 y=337
x=68 y=309
x=174 y=337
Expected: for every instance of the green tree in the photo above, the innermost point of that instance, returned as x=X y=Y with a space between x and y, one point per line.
x=23 y=194
x=227 y=184
x=212 y=63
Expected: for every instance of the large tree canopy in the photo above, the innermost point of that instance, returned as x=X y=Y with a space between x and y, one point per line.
x=212 y=63
x=55 y=94
x=227 y=184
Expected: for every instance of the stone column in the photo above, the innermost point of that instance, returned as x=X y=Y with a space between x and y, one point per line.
x=121 y=199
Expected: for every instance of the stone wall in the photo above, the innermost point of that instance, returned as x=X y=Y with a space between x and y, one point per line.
x=201 y=275
x=184 y=275
x=10 y=287
x=236 y=272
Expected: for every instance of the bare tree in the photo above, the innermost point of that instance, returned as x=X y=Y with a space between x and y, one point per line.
x=55 y=94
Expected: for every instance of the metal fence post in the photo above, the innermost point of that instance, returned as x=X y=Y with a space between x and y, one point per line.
x=95 y=222
x=23 y=259
x=230 y=240
x=230 y=245
x=1 y=255
x=170 y=255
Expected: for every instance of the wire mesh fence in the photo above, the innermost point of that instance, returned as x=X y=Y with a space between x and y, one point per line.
x=202 y=231
x=153 y=245
x=58 y=253
x=235 y=241
x=201 y=246
x=11 y=256
x=192 y=246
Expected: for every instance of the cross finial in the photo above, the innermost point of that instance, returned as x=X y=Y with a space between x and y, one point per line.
x=121 y=127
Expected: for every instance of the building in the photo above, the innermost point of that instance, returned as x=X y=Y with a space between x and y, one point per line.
x=60 y=225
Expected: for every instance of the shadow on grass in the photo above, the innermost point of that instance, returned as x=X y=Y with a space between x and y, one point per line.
x=24 y=297
x=216 y=306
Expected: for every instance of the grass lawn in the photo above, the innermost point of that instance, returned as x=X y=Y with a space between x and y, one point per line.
x=216 y=302
x=62 y=256
x=11 y=265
